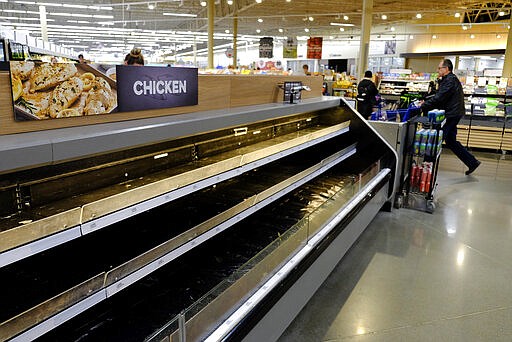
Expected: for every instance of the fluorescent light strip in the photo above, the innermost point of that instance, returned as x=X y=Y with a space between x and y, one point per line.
x=13 y=11
x=180 y=14
x=74 y=6
x=341 y=24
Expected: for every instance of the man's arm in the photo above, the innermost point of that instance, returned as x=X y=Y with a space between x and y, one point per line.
x=446 y=89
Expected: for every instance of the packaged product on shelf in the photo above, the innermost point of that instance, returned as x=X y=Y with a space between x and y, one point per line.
x=429 y=150
x=432 y=134
x=416 y=148
x=417 y=137
x=429 y=176
x=423 y=147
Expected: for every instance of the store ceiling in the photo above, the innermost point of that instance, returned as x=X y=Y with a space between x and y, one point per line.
x=171 y=26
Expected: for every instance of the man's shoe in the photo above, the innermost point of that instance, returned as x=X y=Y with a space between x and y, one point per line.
x=473 y=168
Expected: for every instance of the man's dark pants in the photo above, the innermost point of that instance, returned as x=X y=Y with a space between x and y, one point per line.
x=450 y=138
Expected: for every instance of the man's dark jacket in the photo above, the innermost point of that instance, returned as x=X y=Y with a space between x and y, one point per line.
x=449 y=97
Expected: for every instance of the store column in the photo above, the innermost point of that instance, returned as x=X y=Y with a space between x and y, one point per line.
x=211 y=17
x=235 y=45
x=507 y=64
x=364 y=46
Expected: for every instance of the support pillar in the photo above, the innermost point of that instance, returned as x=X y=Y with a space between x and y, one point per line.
x=364 y=44
x=211 y=17
x=507 y=64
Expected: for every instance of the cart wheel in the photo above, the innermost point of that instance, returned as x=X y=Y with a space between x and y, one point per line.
x=430 y=206
x=399 y=201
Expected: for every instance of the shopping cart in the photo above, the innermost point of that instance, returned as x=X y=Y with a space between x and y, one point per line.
x=421 y=164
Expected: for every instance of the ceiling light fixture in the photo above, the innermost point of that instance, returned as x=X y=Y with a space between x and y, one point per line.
x=411 y=37
x=498 y=36
x=311 y=18
x=341 y=24
x=260 y=20
x=180 y=14
x=464 y=27
x=472 y=36
x=457 y=15
x=258 y=31
x=384 y=17
x=501 y=13
x=203 y=3
x=259 y=1
x=418 y=16
x=227 y=31
x=345 y=17
x=281 y=30
x=392 y=28
x=151 y=6
x=230 y=2
x=342 y=29
x=306 y=29
x=434 y=37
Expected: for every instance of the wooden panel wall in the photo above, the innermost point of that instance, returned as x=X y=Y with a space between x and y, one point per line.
x=215 y=92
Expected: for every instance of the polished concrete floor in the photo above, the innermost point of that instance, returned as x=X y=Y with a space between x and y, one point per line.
x=415 y=276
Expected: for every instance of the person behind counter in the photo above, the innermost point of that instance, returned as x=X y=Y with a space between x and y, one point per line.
x=134 y=58
x=305 y=68
x=81 y=59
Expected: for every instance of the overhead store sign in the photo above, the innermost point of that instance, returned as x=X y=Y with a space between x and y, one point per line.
x=142 y=88
x=266 y=47
x=290 y=48
x=315 y=47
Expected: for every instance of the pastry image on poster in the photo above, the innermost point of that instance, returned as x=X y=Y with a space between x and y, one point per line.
x=58 y=90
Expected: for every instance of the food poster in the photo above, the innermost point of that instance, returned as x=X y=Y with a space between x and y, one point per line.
x=266 y=47
x=290 y=48
x=58 y=90
x=315 y=48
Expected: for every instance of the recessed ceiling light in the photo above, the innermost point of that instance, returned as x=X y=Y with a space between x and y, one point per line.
x=457 y=15
x=230 y=2
x=311 y=18
x=464 y=27
x=259 y=1
x=498 y=36
x=383 y=17
x=345 y=17
x=260 y=20
x=258 y=31
x=281 y=30
x=227 y=31
x=434 y=37
x=501 y=13
x=472 y=36
x=342 y=29
x=411 y=37
x=306 y=29
x=203 y=3
x=418 y=15
x=151 y=6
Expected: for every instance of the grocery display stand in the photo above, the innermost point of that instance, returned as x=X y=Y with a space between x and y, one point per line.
x=420 y=171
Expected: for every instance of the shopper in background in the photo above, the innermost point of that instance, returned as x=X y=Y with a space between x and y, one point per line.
x=305 y=68
x=366 y=95
x=134 y=57
x=81 y=59
x=450 y=97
